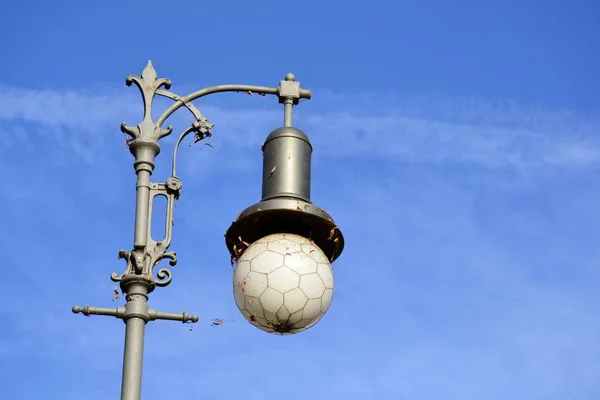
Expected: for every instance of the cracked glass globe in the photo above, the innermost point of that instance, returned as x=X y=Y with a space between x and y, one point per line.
x=283 y=283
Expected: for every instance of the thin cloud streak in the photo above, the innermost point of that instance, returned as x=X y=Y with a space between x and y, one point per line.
x=424 y=129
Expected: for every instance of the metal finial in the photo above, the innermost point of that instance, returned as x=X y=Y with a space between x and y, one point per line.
x=290 y=77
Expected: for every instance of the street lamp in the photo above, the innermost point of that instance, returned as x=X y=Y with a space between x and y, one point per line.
x=282 y=246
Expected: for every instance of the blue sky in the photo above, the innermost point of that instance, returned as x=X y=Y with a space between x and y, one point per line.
x=456 y=144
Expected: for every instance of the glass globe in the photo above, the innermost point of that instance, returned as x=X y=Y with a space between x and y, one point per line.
x=283 y=283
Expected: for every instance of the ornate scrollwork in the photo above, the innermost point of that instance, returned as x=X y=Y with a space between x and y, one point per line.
x=164 y=277
x=149 y=84
x=143 y=261
x=151 y=259
x=129 y=269
x=172 y=256
x=201 y=126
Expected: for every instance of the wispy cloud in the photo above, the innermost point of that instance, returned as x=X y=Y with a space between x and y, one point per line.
x=429 y=129
x=463 y=276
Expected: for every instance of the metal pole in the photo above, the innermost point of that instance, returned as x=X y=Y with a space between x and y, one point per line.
x=288 y=106
x=136 y=317
x=131 y=386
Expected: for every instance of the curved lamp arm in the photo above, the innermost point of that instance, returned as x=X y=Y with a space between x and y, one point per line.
x=184 y=101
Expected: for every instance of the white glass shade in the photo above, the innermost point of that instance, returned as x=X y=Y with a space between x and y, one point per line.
x=283 y=283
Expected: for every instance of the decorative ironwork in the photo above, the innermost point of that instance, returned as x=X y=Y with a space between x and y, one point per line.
x=142 y=271
x=143 y=263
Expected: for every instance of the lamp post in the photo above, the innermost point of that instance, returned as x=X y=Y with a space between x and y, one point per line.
x=282 y=246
